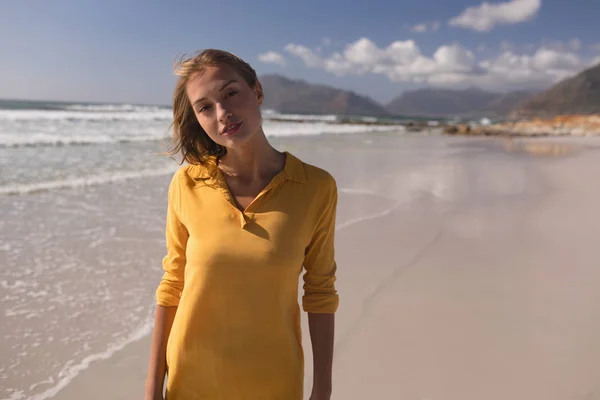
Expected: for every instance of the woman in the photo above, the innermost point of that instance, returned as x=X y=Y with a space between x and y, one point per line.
x=244 y=220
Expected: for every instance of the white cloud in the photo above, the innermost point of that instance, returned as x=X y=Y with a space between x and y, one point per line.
x=486 y=16
x=326 y=41
x=450 y=65
x=575 y=44
x=547 y=59
x=307 y=55
x=271 y=57
x=426 y=26
x=543 y=68
x=505 y=46
x=420 y=28
x=595 y=47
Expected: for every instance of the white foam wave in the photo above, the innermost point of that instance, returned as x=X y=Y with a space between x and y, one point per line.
x=271 y=114
x=319 y=128
x=108 y=177
x=70 y=372
x=272 y=129
x=72 y=115
x=113 y=107
x=45 y=139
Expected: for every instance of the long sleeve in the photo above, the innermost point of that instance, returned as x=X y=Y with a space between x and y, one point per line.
x=169 y=290
x=320 y=294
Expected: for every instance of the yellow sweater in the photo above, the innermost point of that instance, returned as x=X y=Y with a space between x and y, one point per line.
x=234 y=277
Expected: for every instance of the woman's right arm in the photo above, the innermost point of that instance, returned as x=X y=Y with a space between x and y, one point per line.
x=168 y=294
x=158 y=352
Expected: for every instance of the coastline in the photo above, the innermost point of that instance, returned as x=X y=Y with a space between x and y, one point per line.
x=466 y=290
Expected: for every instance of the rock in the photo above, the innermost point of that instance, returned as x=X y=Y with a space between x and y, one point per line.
x=564 y=125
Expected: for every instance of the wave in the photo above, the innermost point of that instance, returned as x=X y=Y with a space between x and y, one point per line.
x=92 y=180
x=70 y=372
x=72 y=115
x=49 y=140
x=115 y=108
x=272 y=129
x=320 y=128
x=271 y=114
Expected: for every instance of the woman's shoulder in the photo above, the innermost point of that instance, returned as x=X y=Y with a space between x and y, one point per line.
x=318 y=175
x=318 y=180
x=190 y=174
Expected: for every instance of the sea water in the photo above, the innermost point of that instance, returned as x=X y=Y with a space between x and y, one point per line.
x=82 y=205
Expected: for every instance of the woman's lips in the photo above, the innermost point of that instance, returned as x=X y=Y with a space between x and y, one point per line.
x=231 y=129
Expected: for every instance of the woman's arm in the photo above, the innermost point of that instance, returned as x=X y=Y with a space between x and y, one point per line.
x=320 y=298
x=321 y=327
x=158 y=352
x=168 y=293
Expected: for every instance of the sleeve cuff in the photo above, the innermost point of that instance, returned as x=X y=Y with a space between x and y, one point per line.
x=167 y=297
x=320 y=304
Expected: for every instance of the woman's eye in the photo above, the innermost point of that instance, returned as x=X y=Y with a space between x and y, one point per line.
x=232 y=93
x=203 y=108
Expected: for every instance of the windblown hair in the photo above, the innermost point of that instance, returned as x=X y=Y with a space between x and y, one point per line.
x=189 y=139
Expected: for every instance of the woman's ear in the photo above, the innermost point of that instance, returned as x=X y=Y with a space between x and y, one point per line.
x=258 y=90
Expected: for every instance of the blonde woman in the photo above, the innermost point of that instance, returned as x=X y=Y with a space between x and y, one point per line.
x=244 y=223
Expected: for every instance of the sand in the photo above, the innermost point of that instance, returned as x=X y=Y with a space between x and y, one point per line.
x=474 y=276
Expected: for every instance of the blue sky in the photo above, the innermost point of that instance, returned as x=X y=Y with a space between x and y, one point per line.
x=123 y=51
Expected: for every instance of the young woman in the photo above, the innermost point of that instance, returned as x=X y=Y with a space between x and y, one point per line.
x=244 y=221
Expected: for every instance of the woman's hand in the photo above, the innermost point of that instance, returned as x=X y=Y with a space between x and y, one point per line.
x=320 y=395
x=154 y=396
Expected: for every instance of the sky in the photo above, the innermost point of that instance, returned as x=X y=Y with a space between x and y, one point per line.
x=123 y=51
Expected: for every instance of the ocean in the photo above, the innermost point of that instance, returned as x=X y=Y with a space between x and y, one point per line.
x=82 y=199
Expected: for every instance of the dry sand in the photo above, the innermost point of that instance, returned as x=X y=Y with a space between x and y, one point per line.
x=483 y=285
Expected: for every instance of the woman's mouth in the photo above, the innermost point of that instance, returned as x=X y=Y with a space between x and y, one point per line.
x=231 y=129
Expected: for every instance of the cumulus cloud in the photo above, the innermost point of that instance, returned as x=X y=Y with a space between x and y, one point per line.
x=486 y=16
x=505 y=46
x=450 y=65
x=425 y=27
x=575 y=44
x=271 y=57
x=419 y=28
x=310 y=58
x=594 y=62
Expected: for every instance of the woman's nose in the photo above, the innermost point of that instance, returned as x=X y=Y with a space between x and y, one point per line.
x=223 y=113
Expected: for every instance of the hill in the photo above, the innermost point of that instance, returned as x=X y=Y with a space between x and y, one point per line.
x=576 y=95
x=470 y=102
x=296 y=96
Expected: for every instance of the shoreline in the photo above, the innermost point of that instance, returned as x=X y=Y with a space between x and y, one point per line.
x=460 y=240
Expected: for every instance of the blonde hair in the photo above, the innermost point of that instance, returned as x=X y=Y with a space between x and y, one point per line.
x=188 y=137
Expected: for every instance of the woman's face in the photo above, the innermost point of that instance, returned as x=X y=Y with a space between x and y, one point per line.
x=226 y=107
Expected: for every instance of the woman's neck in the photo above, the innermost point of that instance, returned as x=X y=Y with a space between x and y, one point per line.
x=253 y=162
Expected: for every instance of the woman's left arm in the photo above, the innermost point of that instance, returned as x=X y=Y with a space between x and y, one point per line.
x=321 y=328
x=320 y=298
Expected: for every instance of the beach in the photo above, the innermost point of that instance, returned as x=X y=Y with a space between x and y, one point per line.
x=468 y=268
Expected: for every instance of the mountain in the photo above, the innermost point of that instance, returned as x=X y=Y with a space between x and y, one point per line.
x=438 y=102
x=443 y=102
x=505 y=103
x=295 y=96
x=577 y=95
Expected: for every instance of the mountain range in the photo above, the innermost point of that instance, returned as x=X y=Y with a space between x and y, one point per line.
x=297 y=96
x=576 y=95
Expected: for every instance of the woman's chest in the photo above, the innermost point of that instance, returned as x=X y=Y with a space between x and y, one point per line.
x=274 y=233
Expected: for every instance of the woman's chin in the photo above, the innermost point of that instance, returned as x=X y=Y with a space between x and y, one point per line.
x=238 y=140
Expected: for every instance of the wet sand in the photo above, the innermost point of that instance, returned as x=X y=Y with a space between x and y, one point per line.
x=469 y=273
